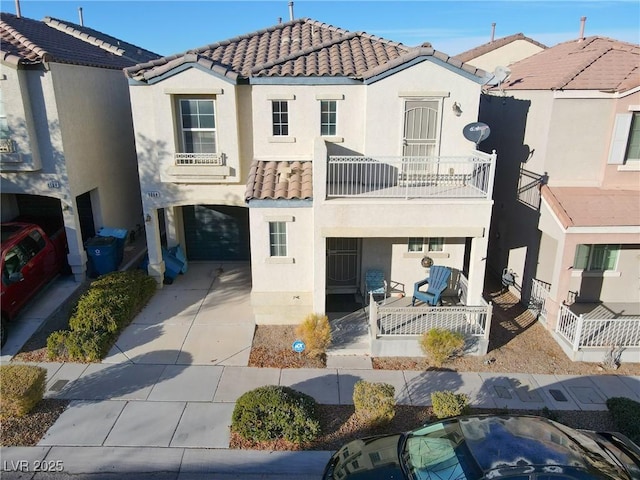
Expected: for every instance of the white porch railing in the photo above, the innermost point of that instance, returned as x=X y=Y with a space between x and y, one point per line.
x=583 y=332
x=389 y=321
x=199 y=159
x=538 y=299
x=411 y=177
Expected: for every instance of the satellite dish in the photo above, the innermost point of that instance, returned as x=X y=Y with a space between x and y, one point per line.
x=476 y=132
x=499 y=75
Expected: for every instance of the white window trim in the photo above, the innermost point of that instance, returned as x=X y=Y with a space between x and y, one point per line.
x=285 y=259
x=183 y=142
x=335 y=135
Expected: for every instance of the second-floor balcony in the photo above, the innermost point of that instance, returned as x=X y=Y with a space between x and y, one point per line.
x=411 y=177
x=198 y=168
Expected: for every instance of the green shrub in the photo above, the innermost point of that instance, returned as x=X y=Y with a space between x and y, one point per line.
x=315 y=331
x=374 y=402
x=274 y=412
x=21 y=388
x=440 y=344
x=110 y=303
x=626 y=416
x=448 y=404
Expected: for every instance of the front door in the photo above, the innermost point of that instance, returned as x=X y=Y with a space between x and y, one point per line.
x=343 y=265
x=420 y=139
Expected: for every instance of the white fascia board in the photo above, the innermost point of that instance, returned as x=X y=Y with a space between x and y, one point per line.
x=593 y=94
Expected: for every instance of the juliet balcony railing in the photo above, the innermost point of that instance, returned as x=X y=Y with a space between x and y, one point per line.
x=186 y=159
x=411 y=177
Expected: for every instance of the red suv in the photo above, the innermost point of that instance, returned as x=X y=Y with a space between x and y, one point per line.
x=30 y=259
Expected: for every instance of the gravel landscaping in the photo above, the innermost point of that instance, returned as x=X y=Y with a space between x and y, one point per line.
x=519 y=344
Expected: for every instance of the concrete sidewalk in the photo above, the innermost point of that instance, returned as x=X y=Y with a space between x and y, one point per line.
x=171 y=420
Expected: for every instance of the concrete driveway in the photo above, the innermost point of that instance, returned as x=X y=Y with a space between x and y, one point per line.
x=203 y=318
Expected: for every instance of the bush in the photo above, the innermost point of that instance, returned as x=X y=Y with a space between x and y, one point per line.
x=440 y=344
x=21 y=388
x=274 y=412
x=374 y=402
x=102 y=312
x=315 y=331
x=448 y=404
x=625 y=413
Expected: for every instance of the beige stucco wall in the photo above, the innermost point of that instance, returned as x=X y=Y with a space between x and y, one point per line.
x=97 y=137
x=385 y=107
x=505 y=55
x=304 y=119
x=282 y=288
x=403 y=268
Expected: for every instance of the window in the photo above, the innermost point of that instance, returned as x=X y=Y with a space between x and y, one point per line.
x=415 y=244
x=596 y=257
x=198 y=124
x=328 y=117
x=436 y=244
x=418 y=244
x=278 y=239
x=280 y=111
x=633 y=147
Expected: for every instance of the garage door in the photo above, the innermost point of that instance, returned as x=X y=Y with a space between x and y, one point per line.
x=216 y=232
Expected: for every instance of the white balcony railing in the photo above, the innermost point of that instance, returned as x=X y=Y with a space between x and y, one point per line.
x=186 y=159
x=582 y=332
x=411 y=177
x=389 y=321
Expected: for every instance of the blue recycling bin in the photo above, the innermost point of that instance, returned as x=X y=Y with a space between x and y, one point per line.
x=121 y=236
x=172 y=266
x=103 y=255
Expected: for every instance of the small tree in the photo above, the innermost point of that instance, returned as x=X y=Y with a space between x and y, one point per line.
x=440 y=344
x=315 y=331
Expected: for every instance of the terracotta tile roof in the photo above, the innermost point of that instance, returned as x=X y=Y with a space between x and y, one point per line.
x=491 y=46
x=25 y=41
x=299 y=48
x=280 y=180
x=595 y=63
x=593 y=207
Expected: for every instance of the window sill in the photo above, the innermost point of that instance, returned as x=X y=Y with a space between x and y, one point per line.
x=333 y=139
x=629 y=167
x=282 y=139
x=279 y=260
x=587 y=274
x=425 y=254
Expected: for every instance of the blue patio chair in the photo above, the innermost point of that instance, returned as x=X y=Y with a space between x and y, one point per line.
x=375 y=283
x=438 y=281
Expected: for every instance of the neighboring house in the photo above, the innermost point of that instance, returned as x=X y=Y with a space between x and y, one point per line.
x=316 y=154
x=67 y=144
x=501 y=52
x=566 y=124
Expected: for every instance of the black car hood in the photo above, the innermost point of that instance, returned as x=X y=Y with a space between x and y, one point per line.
x=368 y=458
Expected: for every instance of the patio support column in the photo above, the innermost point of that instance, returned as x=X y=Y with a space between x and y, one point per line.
x=319 y=273
x=77 y=256
x=170 y=224
x=319 y=241
x=477 y=267
x=156 y=266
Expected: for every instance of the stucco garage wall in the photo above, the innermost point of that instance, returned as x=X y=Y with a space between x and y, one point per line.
x=282 y=289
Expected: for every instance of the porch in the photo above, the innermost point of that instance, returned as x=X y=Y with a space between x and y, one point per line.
x=392 y=328
x=410 y=177
x=587 y=331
